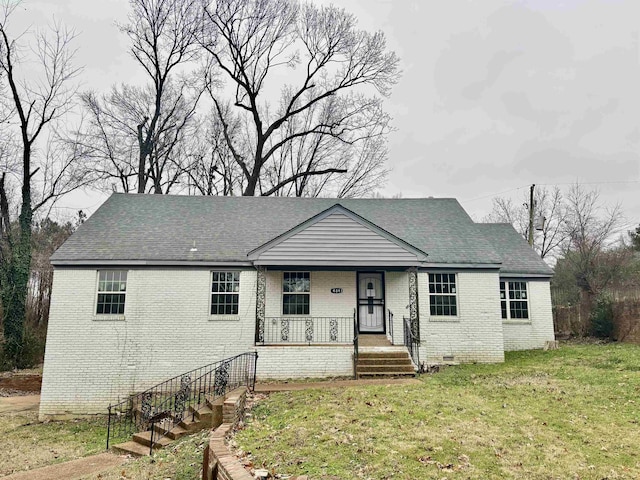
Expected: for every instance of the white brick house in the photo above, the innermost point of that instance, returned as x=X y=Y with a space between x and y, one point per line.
x=152 y=286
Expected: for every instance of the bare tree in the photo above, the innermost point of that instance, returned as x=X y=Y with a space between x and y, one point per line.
x=591 y=228
x=360 y=162
x=335 y=75
x=112 y=138
x=36 y=100
x=213 y=170
x=550 y=212
x=137 y=133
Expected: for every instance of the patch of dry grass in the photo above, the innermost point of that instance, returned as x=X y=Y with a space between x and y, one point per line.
x=27 y=444
x=182 y=460
x=571 y=413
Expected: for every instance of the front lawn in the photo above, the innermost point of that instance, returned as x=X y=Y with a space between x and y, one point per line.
x=26 y=444
x=570 y=413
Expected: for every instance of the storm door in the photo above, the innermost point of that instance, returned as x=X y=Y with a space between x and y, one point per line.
x=371 y=302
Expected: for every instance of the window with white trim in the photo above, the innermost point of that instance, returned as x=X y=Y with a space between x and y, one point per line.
x=112 y=292
x=296 y=288
x=443 y=299
x=225 y=293
x=514 y=301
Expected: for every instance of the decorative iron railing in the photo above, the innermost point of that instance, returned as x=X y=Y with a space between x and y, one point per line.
x=411 y=342
x=390 y=326
x=306 y=330
x=160 y=408
x=355 y=345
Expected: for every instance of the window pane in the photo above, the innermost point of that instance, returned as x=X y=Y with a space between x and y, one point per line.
x=442 y=298
x=225 y=288
x=518 y=307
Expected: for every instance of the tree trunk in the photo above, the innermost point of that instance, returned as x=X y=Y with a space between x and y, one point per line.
x=15 y=282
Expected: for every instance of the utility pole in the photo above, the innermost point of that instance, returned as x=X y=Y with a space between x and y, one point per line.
x=531 y=211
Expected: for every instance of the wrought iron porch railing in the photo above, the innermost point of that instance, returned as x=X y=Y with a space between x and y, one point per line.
x=355 y=345
x=306 y=330
x=167 y=404
x=390 y=326
x=411 y=341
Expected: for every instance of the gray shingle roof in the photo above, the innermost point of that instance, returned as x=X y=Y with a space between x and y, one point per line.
x=159 y=228
x=516 y=254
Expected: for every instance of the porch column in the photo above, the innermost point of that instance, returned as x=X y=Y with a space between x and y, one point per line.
x=261 y=290
x=413 y=302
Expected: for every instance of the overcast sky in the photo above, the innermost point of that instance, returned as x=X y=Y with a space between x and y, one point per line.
x=495 y=95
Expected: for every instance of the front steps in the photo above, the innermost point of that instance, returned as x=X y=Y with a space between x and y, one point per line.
x=384 y=362
x=206 y=416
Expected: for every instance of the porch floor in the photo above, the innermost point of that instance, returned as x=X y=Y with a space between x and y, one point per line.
x=368 y=340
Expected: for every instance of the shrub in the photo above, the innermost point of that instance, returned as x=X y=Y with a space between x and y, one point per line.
x=601 y=317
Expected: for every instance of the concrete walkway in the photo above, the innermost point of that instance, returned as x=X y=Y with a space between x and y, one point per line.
x=73 y=469
x=288 y=387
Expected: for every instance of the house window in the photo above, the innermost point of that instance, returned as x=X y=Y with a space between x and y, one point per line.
x=514 y=302
x=442 y=294
x=295 y=293
x=112 y=291
x=225 y=293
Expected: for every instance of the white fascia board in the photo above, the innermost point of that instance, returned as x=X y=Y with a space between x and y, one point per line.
x=159 y=263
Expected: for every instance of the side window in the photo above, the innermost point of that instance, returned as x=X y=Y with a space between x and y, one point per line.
x=225 y=293
x=112 y=292
x=443 y=299
x=514 y=301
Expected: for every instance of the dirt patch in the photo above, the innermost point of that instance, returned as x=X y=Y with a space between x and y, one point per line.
x=19 y=384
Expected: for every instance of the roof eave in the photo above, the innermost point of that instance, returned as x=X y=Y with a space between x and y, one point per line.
x=158 y=263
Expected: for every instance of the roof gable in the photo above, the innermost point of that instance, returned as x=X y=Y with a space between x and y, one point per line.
x=337 y=236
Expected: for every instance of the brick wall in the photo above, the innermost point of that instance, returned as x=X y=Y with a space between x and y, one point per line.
x=166 y=330
x=323 y=303
x=218 y=461
x=397 y=292
x=475 y=334
x=300 y=361
x=534 y=332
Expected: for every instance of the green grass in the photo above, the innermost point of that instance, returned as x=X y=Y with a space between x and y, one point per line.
x=570 y=413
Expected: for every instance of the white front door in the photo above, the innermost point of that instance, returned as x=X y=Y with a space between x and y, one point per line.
x=371 y=302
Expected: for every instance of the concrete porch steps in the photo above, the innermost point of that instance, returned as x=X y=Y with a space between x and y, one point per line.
x=384 y=362
x=207 y=415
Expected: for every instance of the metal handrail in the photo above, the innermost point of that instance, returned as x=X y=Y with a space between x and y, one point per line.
x=390 y=325
x=355 y=345
x=411 y=342
x=168 y=401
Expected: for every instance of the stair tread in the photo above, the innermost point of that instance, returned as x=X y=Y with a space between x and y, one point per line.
x=203 y=408
x=158 y=441
x=192 y=425
x=385 y=367
x=385 y=363
x=133 y=448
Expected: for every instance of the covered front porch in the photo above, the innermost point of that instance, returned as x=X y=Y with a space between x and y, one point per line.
x=312 y=307
x=333 y=278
